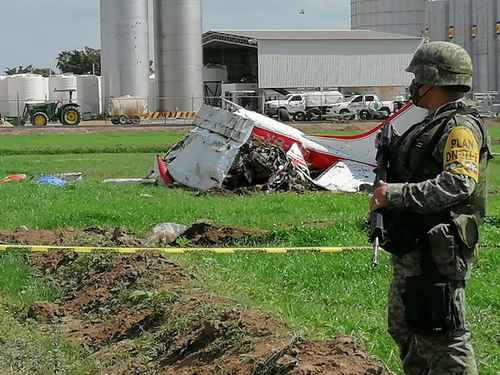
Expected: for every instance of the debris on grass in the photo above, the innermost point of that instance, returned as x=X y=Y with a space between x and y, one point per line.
x=13 y=178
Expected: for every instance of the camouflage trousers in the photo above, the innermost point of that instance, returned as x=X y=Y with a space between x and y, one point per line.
x=432 y=354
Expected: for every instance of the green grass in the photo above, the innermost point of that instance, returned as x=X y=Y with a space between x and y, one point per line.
x=24 y=349
x=119 y=142
x=319 y=295
x=323 y=295
x=17 y=283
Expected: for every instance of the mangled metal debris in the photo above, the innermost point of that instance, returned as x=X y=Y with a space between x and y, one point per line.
x=243 y=149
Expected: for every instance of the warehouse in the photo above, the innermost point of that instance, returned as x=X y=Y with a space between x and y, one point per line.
x=353 y=61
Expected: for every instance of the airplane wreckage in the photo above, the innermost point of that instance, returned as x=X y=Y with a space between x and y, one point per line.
x=240 y=149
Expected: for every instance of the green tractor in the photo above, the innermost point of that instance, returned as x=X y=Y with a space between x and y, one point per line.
x=40 y=114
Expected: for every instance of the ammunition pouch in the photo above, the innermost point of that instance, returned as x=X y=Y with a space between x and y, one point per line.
x=431 y=308
x=452 y=246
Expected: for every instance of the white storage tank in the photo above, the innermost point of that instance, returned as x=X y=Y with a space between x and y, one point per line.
x=4 y=95
x=63 y=82
x=180 y=54
x=24 y=88
x=89 y=94
x=125 y=48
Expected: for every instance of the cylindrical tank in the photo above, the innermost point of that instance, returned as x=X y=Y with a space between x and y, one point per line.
x=179 y=54
x=405 y=17
x=89 y=94
x=437 y=20
x=484 y=45
x=62 y=82
x=24 y=88
x=4 y=95
x=461 y=22
x=125 y=48
x=497 y=40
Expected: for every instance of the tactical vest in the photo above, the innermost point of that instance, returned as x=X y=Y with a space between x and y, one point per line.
x=412 y=161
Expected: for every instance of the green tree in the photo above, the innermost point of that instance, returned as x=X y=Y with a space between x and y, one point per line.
x=84 y=61
x=29 y=69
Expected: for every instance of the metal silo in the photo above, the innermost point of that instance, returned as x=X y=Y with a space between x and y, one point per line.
x=125 y=47
x=496 y=40
x=437 y=21
x=393 y=16
x=461 y=22
x=179 y=54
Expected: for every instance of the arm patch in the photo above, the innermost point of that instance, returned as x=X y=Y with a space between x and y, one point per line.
x=461 y=153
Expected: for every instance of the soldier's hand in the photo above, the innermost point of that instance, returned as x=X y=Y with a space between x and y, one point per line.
x=379 y=198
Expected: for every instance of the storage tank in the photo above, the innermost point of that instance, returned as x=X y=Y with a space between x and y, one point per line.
x=4 y=95
x=125 y=47
x=179 y=54
x=89 y=94
x=62 y=82
x=479 y=46
x=497 y=38
x=24 y=88
x=405 y=17
x=460 y=19
x=437 y=20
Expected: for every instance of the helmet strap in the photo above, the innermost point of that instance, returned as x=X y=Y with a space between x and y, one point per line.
x=415 y=95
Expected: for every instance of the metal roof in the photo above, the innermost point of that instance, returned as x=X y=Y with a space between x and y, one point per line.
x=313 y=35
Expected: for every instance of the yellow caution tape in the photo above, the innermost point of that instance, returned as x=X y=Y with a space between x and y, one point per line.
x=180 y=251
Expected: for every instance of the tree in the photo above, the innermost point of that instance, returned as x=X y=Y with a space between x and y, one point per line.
x=84 y=61
x=29 y=69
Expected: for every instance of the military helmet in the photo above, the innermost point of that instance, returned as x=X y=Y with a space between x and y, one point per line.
x=442 y=64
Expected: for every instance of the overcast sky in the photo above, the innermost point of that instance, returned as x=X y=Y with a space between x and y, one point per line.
x=34 y=31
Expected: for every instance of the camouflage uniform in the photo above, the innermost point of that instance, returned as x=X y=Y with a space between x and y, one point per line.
x=437 y=193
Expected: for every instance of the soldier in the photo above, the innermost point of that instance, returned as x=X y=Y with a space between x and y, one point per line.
x=433 y=203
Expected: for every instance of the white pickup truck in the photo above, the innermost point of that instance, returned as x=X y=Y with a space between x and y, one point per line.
x=304 y=106
x=364 y=106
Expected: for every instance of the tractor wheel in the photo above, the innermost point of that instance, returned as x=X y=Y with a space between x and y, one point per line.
x=115 y=121
x=123 y=120
x=70 y=116
x=39 y=119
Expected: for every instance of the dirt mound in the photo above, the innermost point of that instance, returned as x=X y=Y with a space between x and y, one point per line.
x=144 y=315
x=93 y=236
x=206 y=234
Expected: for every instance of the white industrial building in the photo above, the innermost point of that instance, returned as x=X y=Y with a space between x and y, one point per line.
x=473 y=24
x=353 y=61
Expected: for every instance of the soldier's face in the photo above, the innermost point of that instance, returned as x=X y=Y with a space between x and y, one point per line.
x=418 y=92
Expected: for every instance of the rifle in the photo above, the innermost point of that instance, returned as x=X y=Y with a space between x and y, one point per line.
x=378 y=233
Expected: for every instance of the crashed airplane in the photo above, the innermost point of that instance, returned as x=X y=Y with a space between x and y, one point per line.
x=204 y=159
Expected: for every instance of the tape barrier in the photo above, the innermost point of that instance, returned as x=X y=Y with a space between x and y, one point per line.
x=180 y=251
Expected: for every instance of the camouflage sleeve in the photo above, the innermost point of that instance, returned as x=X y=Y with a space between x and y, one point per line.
x=459 y=153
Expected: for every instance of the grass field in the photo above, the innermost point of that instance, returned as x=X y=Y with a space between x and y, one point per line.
x=318 y=295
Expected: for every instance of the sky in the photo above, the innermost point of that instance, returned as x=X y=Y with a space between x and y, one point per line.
x=34 y=32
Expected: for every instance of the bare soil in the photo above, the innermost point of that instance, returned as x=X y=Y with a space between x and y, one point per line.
x=145 y=315
x=200 y=234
